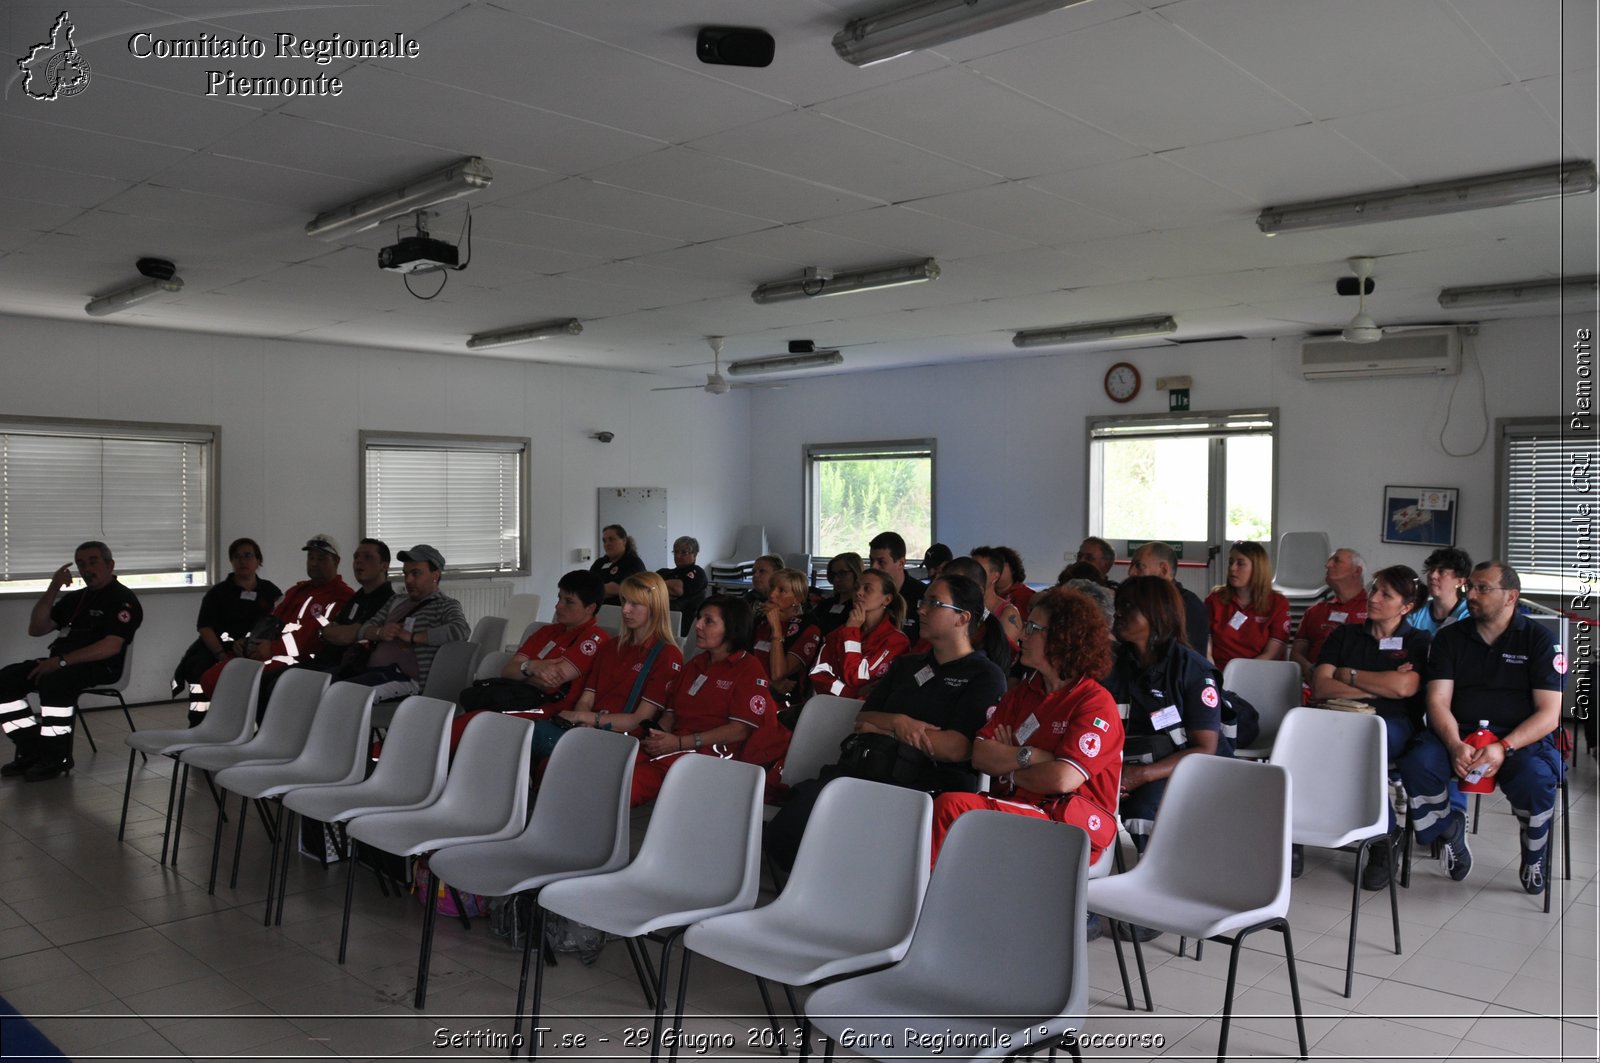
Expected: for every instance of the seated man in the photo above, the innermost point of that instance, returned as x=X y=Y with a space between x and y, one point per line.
x=293 y=633
x=686 y=581
x=407 y=632
x=370 y=566
x=1097 y=552
x=1347 y=579
x=1501 y=667
x=96 y=624
x=1159 y=559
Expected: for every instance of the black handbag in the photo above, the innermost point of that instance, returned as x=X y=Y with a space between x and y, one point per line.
x=883 y=758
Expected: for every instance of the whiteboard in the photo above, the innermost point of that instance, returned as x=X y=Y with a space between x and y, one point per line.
x=643 y=511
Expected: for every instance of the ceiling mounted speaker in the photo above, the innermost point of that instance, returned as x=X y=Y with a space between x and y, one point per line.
x=731 y=46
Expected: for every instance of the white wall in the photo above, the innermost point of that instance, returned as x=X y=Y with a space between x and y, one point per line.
x=290 y=414
x=1012 y=439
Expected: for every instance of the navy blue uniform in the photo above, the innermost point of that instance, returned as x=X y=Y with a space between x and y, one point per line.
x=1493 y=683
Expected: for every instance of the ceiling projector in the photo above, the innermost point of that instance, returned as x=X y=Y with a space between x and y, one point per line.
x=418 y=254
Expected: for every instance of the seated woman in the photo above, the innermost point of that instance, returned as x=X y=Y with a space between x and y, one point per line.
x=829 y=611
x=784 y=640
x=619 y=559
x=931 y=705
x=230 y=608
x=1054 y=746
x=718 y=705
x=858 y=653
x=1447 y=569
x=1169 y=698
x=996 y=638
x=1248 y=618
x=633 y=674
x=1383 y=663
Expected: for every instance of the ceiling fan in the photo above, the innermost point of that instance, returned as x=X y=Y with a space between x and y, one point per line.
x=716 y=383
x=1362 y=328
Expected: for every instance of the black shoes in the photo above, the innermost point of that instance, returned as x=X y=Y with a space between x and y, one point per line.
x=1139 y=933
x=1454 y=856
x=1297 y=861
x=1533 y=873
x=19 y=765
x=44 y=770
x=1375 y=876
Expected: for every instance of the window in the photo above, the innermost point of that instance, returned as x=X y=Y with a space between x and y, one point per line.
x=856 y=490
x=146 y=491
x=1192 y=481
x=1545 y=470
x=465 y=495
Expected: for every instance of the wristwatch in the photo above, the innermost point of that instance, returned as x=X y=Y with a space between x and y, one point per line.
x=523 y=668
x=1024 y=756
x=697 y=741
x=62 y=661
x=1509 y=748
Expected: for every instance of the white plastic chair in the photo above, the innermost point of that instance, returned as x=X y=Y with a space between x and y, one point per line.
x=488 y=633
x=609 y=619
x=579 y=827
x=491 y=664
x=113 y=689
x=335 y=753
x=1217 y=864
x=449 y=674
x=485 y=799
x=522 y=615
x=850 y=903
x=230 y=721
x=282 y=738
x=1340 y=765
x=1301 y=568
x=824 y=722
x=1273 y=687
x=961 y=974
x=700 y=858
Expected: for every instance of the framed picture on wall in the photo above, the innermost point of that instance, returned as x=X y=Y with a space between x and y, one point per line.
x=1420 y=516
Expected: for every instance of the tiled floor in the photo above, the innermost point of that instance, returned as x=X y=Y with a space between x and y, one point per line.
x=118 y=958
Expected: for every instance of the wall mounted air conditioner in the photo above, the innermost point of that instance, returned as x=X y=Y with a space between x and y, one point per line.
x=1418 y=352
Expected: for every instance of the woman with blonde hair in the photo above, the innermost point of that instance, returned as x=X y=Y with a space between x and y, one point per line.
x=634 y=674
x=1247 y=617
x=786 y=641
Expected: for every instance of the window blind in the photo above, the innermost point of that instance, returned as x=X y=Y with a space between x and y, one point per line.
x=1539 y=497
x=465 y=498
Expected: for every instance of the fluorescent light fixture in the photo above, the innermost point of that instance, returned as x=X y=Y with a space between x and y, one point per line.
x=1095 y=331
x=458 y=179
x=1426 y=201
x=817 y=283
x=1541 y=291
x=132 y=295
x=544 y=330
x=814 y=360
x=927 y=23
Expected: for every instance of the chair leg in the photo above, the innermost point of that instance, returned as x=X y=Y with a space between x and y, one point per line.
x=216 y=854
x=83 y=725
x=272 y=863
x=1405 y=859
x=1477 y=807
x=430 y=909
x=661 y=994
x=177 y=826
x=537 y=923
x=1294 y=986
x=166 y=828
x=1566 y=828
x=461 y=907
x=277 y=876
x=126 y=715
x=238 y=843
x=772 y=1014
x=349 y=898
x=643 y=969
x=537 y=929
x=683 y=995
x=1362 y=856
x=1138 y=960
x=1122 y=963
x=1394 y=897
x=127 y=791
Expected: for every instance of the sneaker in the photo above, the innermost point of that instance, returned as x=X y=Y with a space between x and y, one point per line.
x=1454 y=856
x=1095 y=929
x=44 y=770
x=1533 y=874
x=1376 y=874
x=1139 y=933
x=1297 y=861
x=18 y=765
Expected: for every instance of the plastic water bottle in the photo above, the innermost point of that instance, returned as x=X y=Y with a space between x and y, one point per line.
x=1475 y=782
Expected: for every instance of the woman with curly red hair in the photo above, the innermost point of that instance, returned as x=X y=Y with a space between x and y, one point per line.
x=1053 y=748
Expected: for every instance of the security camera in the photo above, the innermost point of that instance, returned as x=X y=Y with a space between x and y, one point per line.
x=605 y=437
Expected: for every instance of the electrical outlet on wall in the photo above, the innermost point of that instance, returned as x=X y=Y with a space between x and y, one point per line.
x=583 y=555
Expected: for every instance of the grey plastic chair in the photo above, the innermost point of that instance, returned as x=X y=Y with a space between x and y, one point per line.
x=958 y=975
x=522 y=615
x=281 y=738
x=824 y=722
x=113 y=689
x=1340 y=765
x=700 y=858
x=850 y=903
x=1301 y=563
x=488 y=633
x=335 y=753
x=579 y=827
x=491 y=664
x=610 y=619
x=485 y=799
x=231 y=720
x=1273 y=687
x=448 y=675
x=1204 y=881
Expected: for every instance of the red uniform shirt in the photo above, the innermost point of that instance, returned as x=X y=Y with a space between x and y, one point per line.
x=1237 y=632
x=1077 y=724
x=616 y=668
x=1020 y=595
x=305 y=610
x=580 y=645
x=800 y=639
x=847 y=663
x=710 y=694
x=1323 y=618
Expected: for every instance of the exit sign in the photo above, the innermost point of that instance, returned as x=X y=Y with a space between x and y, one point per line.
x=1178 y=400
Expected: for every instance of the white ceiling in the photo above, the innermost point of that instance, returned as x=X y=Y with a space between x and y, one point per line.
x=1099 y=162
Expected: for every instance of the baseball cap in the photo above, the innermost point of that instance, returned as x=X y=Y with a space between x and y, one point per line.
x=324 y=542
x=423 y=552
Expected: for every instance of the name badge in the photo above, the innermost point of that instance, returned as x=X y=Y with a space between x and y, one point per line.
x=1338 y=618
x=699 y=681
x=924 y=675
x=1030 y=725
x=763 y=646
x=247 y=596
x=1394 y=642
x=1166 y=717
x=410 y=623
x=547 y=648
x=1238 y=621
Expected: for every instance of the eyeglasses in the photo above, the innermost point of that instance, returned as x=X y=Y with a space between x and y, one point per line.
x=1483 y=588
x=1030 y=628
x=934 y=603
